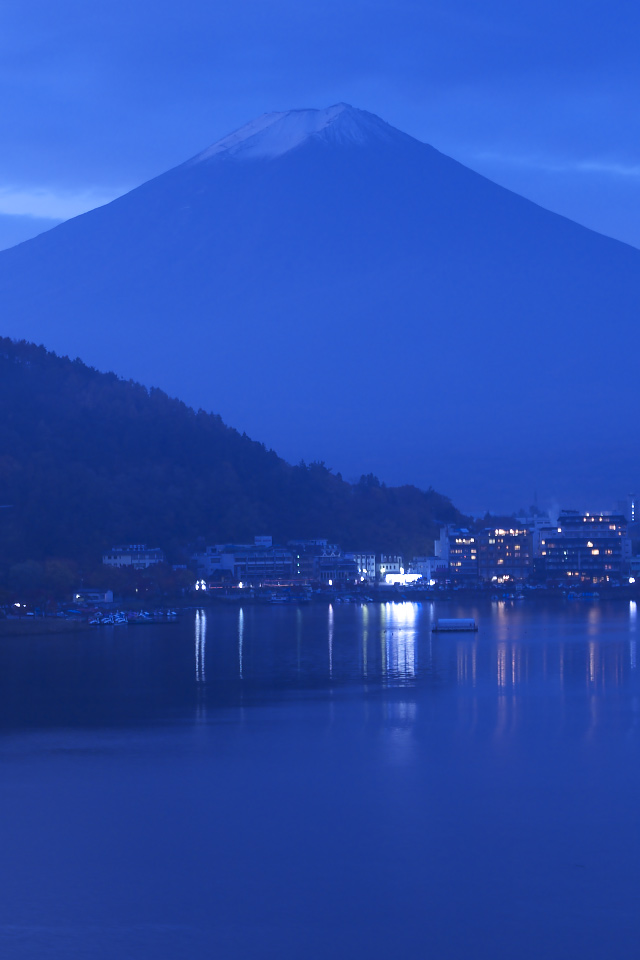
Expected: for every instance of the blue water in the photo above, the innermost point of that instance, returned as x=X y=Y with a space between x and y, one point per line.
x=324 y=782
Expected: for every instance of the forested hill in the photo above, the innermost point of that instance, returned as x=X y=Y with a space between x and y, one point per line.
x=88 y=460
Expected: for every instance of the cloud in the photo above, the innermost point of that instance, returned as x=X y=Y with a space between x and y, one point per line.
x=612 y=168
x=51 y=204
x=603 y=166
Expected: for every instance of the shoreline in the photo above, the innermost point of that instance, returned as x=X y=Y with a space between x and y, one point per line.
x=54 y=626
x=41 y=626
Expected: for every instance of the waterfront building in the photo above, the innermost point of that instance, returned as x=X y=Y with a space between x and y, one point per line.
x=429 y=568
x=388 y=563
x=540 y=529
x=137 y=556
x=504 y=555
x=365 y=565
x=89 y=595
x=337 y=571
x=629 y=508
x=306 y=555
x=591 y=547
x=247 y=562
x=459 y=547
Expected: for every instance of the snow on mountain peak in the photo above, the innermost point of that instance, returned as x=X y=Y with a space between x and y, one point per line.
x=274 y=134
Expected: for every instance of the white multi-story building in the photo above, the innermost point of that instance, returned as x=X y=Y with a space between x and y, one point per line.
x=388 y=563
x=365 y=564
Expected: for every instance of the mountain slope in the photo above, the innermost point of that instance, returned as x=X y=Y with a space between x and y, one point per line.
x=340 y=290
x=87 y=460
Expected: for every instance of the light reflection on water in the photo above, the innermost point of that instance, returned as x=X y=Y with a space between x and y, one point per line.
x=365 y=638
x=330 y=640
x=516 y=649
x=512 y=649
x=594 y=617
x=553 y=651
x=200 y=645
x=407 y=784
x=398 y=638
x=298 y=639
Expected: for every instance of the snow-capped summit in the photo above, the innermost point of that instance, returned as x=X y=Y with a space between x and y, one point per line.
x=274 y=134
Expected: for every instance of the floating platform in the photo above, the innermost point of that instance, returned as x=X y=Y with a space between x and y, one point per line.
x=455 y=625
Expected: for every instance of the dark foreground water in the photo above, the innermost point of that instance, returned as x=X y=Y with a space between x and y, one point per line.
x=324 y=783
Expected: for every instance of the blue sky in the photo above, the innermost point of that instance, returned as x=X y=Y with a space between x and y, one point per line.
x=97 y=97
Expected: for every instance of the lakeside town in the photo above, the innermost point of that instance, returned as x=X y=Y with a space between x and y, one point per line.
x=581 y=553
x=576 y=549
x=576 y=555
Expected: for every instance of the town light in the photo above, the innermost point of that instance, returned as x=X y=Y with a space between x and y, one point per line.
x=330 y=583
x=402 y=579
x=240 y=584
x=632 y=579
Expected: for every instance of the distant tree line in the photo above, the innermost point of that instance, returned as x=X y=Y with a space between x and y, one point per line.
x=88 y=460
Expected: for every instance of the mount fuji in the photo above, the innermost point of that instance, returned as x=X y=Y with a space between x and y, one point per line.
x=344 y=292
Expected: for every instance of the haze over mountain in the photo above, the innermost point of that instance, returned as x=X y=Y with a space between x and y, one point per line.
x=341 y=291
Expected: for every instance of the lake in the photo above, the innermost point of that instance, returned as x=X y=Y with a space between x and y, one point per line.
x=324 y=781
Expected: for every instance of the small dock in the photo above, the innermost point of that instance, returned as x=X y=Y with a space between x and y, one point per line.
x=455 y=625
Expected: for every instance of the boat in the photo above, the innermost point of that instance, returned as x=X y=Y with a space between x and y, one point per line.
x=455 y=625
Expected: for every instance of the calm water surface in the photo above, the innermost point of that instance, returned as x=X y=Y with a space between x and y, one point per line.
x=322 y=782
